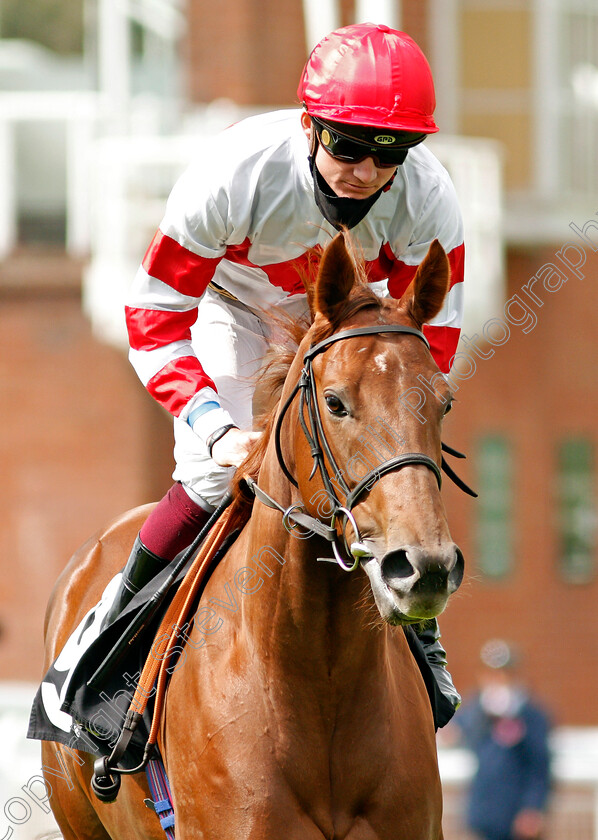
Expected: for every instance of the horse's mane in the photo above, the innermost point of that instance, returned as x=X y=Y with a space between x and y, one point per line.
x=271 y=380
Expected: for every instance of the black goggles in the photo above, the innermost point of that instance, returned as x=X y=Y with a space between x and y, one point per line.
x=352 y=150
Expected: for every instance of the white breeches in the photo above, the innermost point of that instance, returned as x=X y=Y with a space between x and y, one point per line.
x=230 y=342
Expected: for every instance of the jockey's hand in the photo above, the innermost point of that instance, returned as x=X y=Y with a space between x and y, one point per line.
x=233 y=447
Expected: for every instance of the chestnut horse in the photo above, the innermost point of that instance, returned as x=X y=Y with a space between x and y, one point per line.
x=297 y=711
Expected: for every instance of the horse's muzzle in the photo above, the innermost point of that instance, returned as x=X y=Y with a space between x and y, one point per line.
x=420 y=581
x=408 y=567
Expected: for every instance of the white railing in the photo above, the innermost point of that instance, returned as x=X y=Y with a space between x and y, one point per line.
x=131 y=179
x=78 y=113
x=475 y=167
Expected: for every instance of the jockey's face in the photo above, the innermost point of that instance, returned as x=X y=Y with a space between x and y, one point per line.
x=359 y=179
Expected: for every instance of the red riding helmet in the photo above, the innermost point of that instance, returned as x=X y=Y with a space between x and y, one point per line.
x=369 y=74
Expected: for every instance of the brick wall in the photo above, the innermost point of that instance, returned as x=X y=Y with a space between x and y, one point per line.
x=253 y=51
x=535 y=390
x=415 y=22
x=250 y=51
x=81 y=442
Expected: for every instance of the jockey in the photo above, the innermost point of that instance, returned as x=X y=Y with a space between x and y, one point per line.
x=240 y=222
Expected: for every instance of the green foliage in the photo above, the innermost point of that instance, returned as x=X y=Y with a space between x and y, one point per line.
x=56 y=24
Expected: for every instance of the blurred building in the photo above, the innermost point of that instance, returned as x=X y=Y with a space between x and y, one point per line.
x=525 y=74
x=517 y=89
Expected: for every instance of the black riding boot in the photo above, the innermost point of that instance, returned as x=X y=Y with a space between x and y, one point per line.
x=141 y=567
x=428 y=634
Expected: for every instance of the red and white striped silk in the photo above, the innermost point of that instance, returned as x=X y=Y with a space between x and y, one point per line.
x=244 y=217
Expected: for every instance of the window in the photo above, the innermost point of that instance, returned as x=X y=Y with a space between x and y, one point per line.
x=494 y=527
x=577 y=510
x=525 y=73
x=567 y=116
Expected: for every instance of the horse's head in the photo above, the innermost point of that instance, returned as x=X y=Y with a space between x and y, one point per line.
x=369 y=452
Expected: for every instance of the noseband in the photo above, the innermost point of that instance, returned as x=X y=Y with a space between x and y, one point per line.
x=311 y=423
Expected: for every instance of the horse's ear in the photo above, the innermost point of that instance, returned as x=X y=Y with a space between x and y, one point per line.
x=425 y=295
x=335 y=278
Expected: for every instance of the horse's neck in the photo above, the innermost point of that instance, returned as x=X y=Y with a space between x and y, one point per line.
x=307 y=611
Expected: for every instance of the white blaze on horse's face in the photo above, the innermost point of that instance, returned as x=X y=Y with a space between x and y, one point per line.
x=381 y=363
x=405 y=545
x=364 y=384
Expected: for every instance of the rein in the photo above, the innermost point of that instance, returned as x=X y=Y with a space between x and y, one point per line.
x=321 y=452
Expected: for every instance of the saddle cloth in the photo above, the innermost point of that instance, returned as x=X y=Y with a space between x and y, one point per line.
x=68 y=710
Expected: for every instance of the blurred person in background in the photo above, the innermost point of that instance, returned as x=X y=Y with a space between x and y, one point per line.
x=508 y=733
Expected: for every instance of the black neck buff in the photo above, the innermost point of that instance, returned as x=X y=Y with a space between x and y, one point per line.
x=340 y=212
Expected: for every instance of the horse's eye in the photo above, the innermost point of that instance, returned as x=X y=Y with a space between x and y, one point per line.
x=448 y=406
x=334 y=405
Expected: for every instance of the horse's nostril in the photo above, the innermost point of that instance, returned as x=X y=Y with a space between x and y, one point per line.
x=456 y=573
x=396 y=565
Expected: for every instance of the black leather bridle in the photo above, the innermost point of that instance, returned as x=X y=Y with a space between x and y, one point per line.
x=311 y=423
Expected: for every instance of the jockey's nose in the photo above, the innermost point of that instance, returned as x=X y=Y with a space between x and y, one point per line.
x=366 y=170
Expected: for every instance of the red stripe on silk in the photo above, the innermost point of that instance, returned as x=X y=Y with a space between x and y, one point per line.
x=239 y=253
x=153 y=328
x=177 y=382
x=456 y=259
x=443 y=340
x=380 y=268
x=400 y=277
x=386 y=265
x=285 y=275
x=400 y=274
x=443 y=344
x=178 y=267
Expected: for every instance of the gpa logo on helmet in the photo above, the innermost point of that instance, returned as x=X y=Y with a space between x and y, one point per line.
x=384 y=139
